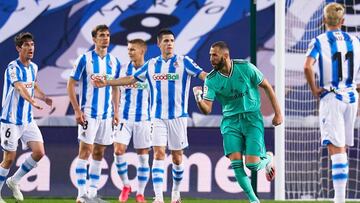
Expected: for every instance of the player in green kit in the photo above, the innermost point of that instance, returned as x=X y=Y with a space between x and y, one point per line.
x=234 y=83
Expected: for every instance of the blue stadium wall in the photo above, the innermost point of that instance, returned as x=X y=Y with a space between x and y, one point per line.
x=207 y=172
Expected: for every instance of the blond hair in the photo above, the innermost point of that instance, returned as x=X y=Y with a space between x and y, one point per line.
x=333 y=13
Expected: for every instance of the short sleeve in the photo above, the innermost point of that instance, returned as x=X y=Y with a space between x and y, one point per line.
x=79 y=67
x=313 y=48
x=13 y=73
x=191 y=67
x=140 y=74
x=123 y=70
x=255 y=75
x=209 y=92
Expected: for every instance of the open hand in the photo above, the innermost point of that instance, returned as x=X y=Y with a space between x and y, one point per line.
x=48 y=101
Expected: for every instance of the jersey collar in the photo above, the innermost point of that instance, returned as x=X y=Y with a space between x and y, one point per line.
x=231 y=70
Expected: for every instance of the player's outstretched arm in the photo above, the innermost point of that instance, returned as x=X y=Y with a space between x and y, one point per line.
x=19 y=86
x=203 y=75
x=310 y=76
x=204 y=106
x=278 y=119
x=41 y=95
x=79 y=115
x=128 y=80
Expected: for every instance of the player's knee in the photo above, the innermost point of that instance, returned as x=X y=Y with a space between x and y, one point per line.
x=177 y=156
x=159 y=155
x=119 y=149
x=98 y=152
x=84 y=153
x=176 y=160
x=253 y=166
x=119 y=152
x=37 y=155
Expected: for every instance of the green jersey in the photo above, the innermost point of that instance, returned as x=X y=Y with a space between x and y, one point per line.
x=238 y=92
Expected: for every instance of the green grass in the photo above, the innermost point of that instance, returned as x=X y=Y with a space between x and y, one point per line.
x=187 y=200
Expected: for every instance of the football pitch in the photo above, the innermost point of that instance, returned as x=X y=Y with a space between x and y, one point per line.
x=187 y=200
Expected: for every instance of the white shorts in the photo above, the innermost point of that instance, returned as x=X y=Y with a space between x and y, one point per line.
x=99 y=131
x=337 y=120
x=11 y=133
x=141 y=132
x=172 y=132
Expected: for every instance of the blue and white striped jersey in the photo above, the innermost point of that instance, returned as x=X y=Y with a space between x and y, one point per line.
x=134 y=99
x=169 y=85
x=95 y=102
x=15 y=109
x=338 y=55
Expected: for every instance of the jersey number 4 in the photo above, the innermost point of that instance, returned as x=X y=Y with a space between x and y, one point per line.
x=348 y=56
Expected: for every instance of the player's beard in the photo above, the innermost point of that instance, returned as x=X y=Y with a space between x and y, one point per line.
x=219 y=65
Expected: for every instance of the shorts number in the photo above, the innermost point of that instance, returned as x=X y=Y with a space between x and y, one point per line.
x=85 y=126
x=121 y=126
x=7 y=133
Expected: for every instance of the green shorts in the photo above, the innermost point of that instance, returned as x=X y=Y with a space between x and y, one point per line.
x=244 y=133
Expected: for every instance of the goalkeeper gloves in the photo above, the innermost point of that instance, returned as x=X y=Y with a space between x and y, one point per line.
x=198 y=93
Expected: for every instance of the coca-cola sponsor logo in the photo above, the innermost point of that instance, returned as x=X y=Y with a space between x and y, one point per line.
x=164 y=76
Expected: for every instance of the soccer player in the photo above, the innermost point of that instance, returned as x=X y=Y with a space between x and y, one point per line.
x=135 y=121
x=97 y=112
x=17 y=122
x=338 y=55
x=169 y=79
x=234 y=83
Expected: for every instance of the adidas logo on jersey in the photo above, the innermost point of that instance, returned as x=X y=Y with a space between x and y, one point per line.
x=169 y=76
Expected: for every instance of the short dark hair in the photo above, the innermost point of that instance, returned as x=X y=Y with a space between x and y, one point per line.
x=98 y=28
x=221 y=44
x=138 y=41
x=164 y=31
x=23 y=37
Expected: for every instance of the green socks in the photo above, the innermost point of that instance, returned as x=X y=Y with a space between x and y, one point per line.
x=259 y=165
x=243 y=179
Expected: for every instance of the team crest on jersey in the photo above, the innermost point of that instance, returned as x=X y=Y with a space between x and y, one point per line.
x=13 y=75
x=176 y=64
